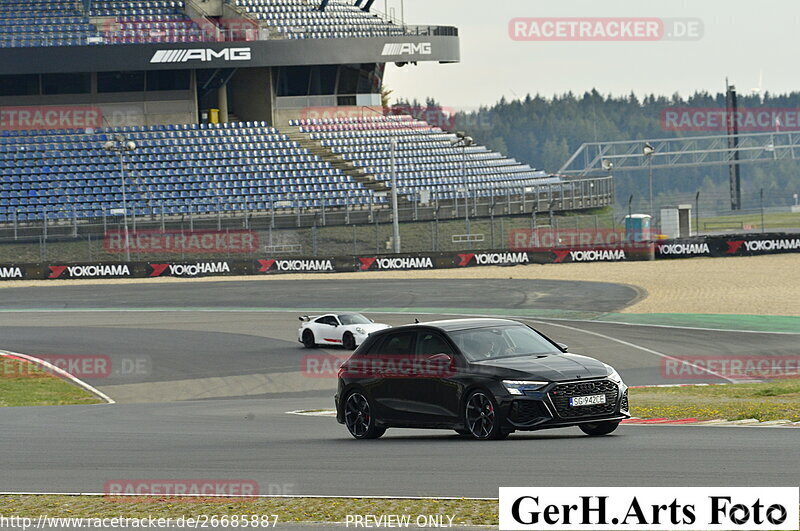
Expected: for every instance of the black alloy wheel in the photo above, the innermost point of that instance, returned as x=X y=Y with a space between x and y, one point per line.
x=482 y=419
x=358 y=418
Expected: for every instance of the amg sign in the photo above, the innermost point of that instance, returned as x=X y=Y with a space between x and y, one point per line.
x=203 y=55
x=407 y=48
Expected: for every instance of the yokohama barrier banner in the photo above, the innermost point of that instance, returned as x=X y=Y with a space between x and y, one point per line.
x=729 y=245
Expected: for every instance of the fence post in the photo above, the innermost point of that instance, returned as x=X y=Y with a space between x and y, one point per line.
x=314 y=238
x=191 y=218
x=246 y=216
x=105 y=221
x=347 y=209
x=74 y=222
x=44 y=212
x=219 y=216
x=355 y=245
x=133 y=217
x=416 y=201
x=491 y=222
x=16 y=235
x=324 y=217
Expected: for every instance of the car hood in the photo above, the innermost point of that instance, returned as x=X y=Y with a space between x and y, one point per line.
x=551 y=367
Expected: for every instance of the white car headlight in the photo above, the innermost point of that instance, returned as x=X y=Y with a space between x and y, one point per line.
x=361 y=331
x=518 y=387
x=613 y=375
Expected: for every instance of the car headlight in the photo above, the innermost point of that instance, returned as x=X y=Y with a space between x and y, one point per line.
x=361 y=331
x=518 y=387
x=613 y=375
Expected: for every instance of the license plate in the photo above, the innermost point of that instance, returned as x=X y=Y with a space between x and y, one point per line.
x=587 y=400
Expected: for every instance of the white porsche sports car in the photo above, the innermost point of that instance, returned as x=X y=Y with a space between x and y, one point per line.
x=346 y=329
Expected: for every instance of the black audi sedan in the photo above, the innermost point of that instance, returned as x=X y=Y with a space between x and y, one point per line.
x=483 y=378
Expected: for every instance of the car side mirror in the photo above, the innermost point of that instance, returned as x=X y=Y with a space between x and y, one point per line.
x=372 y=320
x=563 y=347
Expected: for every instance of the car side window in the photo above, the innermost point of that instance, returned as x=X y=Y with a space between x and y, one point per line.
x=431 y=343
x=327 y=320
x=400 y=343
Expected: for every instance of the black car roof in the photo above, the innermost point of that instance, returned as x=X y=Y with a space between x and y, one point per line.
x=452 y=325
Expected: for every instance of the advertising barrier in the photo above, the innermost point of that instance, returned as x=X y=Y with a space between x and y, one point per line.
x=718 y=246
x=729 y=245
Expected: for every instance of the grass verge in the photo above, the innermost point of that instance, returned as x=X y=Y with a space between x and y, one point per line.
x=463 y=512
x=24 y=384
x=776 y=400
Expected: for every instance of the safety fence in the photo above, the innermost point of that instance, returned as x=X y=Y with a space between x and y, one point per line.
x=732 y=245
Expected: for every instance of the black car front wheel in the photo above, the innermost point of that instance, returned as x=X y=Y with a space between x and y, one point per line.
x=596 y=429
x=359 y=419
x=482 y=418
x=348 y=341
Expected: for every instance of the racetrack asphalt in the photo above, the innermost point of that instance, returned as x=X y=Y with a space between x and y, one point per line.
x=221 y=366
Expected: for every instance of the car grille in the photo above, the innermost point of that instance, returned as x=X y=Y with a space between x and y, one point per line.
x=526 y=411
x=561 y=394
x=624 y=402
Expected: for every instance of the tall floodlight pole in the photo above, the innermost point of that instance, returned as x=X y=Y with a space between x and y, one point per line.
x=464 y=141
x=648 y=152
x=395 y=213
x=121 y=145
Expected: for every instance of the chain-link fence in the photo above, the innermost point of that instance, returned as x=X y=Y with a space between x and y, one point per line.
x=470 y=223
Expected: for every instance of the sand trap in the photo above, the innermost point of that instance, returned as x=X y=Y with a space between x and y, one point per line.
x=759 y=285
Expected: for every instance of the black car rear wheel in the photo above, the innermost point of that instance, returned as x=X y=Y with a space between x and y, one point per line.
x=359 y=419
x=596 y=429
x=482 y=418
x=308 y=339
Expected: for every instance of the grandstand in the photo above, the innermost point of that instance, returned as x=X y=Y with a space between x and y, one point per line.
x=220 y=118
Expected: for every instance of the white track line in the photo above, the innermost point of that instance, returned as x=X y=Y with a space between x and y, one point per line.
x=62 y=373
x=400 y=311
x=639 y=347
x=134 y=495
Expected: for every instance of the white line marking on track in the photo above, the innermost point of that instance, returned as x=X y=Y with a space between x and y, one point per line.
x=62 y=373
x=136 y=495
x=634 y=345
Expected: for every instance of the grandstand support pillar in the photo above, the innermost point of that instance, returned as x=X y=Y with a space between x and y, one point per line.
x=105 y=221
x=272 y=214
x=416 y=203
x=74 y=222
x=371 y=208
x=133 y=217
x=222 y=103
x=16 y=226
x=347 y=209
x=191 y=218
x=324 y=220
x=246 y=217
x=219 y=216
x=522 y=196
x=44 y=233
x=395 y=212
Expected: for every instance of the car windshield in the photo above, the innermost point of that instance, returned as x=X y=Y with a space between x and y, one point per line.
x=501 y=342
x=353 y=319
